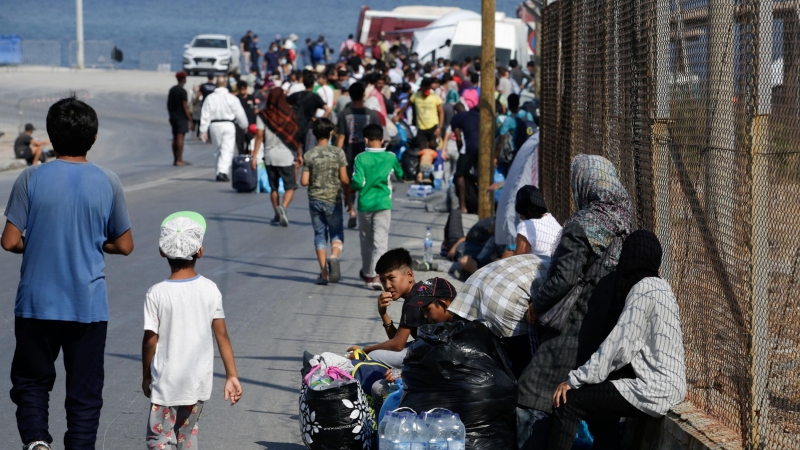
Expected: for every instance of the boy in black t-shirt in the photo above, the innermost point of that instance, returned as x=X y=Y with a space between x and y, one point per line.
x=397 y=278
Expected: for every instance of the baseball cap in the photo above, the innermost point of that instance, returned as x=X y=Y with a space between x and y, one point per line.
x=29 y=127
x=426 y=291
x=182 y=235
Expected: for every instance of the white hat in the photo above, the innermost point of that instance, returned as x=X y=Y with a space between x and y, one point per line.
x=320 y=68
x=293 y=37
x=182 y=235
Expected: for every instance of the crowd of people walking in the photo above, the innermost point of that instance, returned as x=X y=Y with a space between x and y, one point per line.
x=590 y=329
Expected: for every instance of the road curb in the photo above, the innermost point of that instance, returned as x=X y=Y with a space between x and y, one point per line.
x=12 y=164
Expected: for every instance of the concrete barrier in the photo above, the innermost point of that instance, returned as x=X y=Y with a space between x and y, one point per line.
x=684 y=428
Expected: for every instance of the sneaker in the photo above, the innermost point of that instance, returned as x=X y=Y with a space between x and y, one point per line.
x=38 y=445
x=375 y=283
x=363 y=277
x=284 y=218
x=422 y=266
x=333 y=270
x=352 y=223
x=222 y=177
x=276 y=220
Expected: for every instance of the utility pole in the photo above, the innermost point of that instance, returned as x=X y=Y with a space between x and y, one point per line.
x=486 y=139
x=79 y=33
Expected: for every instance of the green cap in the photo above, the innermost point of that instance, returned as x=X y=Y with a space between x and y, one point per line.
x=191 y=215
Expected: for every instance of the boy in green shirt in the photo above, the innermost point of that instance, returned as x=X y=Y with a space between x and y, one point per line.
x=371 y=180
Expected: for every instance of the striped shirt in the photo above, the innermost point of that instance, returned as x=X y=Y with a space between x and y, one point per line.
x=499 y=294
x=648 y=336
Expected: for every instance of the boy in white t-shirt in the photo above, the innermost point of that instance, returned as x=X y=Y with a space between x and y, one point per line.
x=538 y=232
x=180 y=314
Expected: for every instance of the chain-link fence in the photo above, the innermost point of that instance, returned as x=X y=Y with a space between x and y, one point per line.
x=96 y=54
x=697 y=104
x=41 y=53
x=160 y=61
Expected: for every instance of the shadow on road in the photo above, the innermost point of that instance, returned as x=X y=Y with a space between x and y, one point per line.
x=280 y=446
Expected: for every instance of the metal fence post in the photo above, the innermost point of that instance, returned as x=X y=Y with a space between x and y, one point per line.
x=79 y=32
x=759 y=251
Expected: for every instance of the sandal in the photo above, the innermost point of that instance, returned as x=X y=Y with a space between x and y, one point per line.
x=321 y=281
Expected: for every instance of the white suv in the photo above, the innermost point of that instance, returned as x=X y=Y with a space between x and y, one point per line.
x=211 y=53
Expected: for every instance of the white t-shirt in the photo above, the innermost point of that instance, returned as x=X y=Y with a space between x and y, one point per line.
x=276 y=153
x=181 y=312
x=326 y=94
x=542 y=234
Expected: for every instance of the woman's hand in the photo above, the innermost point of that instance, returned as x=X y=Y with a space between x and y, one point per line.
x=560 y=395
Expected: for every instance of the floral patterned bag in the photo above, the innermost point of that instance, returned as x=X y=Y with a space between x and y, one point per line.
x=335 y=419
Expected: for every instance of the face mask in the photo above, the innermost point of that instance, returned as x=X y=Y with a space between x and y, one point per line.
x=283 y=60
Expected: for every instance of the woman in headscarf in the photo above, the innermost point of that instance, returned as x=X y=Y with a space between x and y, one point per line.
x=277 y=128
x=603 y=215
x=647 y=335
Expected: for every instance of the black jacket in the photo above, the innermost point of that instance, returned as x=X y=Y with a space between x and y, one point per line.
x=557 y=353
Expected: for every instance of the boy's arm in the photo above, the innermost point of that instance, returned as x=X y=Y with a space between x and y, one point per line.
x=149 y=342
x=233 y=389
x=305 y=180
x=342 y=175
x=123 y=245
x=395 y=344
x=12 y=240
x=358 y=181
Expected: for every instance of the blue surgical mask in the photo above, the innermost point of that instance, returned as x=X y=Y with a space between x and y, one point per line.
x=283 y=61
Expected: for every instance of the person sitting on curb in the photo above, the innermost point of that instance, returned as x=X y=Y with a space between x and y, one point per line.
x=28 y=148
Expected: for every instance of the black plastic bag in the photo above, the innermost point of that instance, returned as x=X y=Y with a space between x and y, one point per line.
x=461 y=366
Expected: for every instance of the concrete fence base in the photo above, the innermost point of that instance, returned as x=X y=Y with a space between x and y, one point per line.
x=684 y=428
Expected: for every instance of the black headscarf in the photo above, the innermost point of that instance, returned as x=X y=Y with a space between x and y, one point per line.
x=640 y=258
x=530 y=202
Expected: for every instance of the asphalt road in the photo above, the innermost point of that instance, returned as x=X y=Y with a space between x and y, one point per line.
x=266 y=274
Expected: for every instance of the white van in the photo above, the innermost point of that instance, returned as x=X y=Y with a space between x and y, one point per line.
x=511 y=40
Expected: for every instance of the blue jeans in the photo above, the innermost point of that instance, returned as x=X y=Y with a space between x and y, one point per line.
x=533 y=428
x=328 y=222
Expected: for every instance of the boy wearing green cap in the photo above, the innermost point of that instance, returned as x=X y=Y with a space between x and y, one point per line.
x=180 y=314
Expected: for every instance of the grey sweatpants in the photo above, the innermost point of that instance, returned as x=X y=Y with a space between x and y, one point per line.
x=374 y=233
x=390 y=358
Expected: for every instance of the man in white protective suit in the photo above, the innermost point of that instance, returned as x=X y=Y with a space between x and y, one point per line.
x=222 y=112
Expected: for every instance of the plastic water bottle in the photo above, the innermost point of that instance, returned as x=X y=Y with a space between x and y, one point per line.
x=419 y=436
x=405 y=432
x=457 y=436
x=419 y=191
x=438 y=173
x=382 y=428
x=437 y=433
x=428 y=246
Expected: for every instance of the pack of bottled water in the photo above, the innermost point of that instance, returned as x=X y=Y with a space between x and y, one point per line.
x=438 y=429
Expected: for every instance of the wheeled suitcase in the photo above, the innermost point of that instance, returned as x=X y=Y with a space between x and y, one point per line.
x=243 y=177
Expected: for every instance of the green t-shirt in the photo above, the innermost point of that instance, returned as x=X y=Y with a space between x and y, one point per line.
x=371 y=179
x=323 y=164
